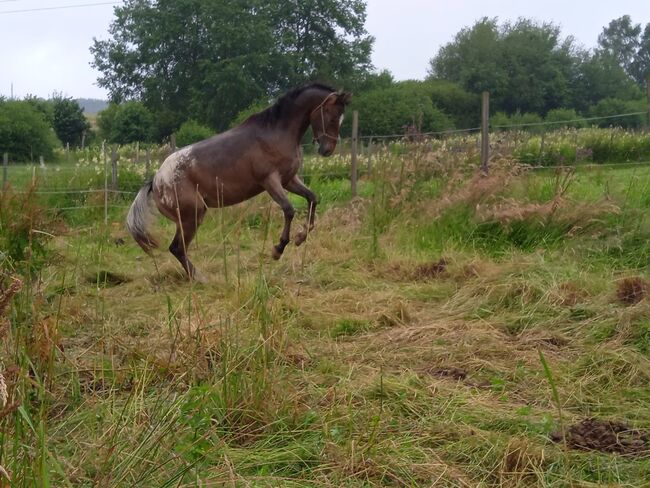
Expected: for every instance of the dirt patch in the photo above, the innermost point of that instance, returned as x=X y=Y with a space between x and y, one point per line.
x=606 y=436
x=449 y=372
x=632 y=290
x=106 y=278
x=421 y=272
x=430 y=270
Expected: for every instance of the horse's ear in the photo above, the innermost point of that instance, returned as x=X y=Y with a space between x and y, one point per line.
x=345 y=97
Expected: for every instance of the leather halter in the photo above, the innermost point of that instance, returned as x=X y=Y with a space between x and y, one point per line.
x=322 y=117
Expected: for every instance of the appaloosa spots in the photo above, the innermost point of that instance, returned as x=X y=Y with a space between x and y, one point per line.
x=606 y=436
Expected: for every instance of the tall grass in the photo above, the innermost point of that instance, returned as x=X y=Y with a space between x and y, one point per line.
x=351 y=367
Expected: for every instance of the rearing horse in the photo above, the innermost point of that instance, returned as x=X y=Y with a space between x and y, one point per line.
x=263 y=153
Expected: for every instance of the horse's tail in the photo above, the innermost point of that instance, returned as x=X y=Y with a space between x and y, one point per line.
x=139 y=218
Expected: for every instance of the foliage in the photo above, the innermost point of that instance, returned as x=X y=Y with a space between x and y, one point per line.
x=391 y=110
x=525 y=66
x=191 y=132
x=213 y=59
x=564 y=117
x=463 y=107
x=24 y=132
x=591 y=145
x=612 y=106
x=125 y=123
x=525 y=121
x=68 y=120
x=599 y=77
x=629 y=45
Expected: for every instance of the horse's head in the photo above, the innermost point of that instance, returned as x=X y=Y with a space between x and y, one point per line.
x=326 y=120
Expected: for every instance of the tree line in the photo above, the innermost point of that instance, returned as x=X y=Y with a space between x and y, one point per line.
x=196 y=67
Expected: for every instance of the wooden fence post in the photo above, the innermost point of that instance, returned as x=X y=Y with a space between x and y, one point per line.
x=369 y=157
x=541 y=149
x=5 y=166
x=353 y=151
x=172 y=141
x=485 y=122
x=147 y=168
x=105 y=182
x=647 y=87
x=114 y=168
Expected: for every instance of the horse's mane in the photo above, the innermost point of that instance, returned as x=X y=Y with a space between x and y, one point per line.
x=284 y=104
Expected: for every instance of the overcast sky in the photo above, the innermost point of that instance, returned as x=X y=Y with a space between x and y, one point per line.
x=47 y=50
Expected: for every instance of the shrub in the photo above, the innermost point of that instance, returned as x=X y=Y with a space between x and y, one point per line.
x=126 y=123
x=190 y=132
x=564 y=117
x=615 y=106
x=24 y=132
x=390 y=110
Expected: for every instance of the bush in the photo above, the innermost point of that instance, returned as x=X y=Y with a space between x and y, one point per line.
x=24 y=132
x=463 y=107
x=615 y=106
x=126 y=123
x=190 y=132
x=390 y=110
x=568 y=115
x=518 y=121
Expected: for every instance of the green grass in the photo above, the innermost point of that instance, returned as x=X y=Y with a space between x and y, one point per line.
x=340 y=364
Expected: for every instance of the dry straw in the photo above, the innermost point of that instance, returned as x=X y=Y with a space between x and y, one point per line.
x=3 y=392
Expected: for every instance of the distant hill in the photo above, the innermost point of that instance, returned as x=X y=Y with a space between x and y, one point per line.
x=92 y=105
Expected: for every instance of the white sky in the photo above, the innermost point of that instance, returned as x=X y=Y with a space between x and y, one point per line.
x=46 y=51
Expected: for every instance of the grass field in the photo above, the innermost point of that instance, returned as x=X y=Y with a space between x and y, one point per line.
x=440 y=330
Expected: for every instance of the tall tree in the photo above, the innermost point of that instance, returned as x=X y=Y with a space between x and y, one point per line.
x=525 y=65
x=68 y=120
x=629 y=44
x=211 y=59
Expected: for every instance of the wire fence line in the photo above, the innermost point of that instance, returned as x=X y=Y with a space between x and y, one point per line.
x=110 y=173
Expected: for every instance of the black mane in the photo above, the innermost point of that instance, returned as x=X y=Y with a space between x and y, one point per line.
x=284 y=104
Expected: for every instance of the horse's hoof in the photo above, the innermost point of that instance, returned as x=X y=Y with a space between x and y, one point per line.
x=199 y=278
x=300 y=238
x=276 y=253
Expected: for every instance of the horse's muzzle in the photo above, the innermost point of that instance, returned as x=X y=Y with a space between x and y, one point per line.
x=326 y=149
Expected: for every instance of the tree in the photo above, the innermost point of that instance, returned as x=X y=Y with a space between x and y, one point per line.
x=599 y=76
x=209 y=60
x=24 y=132
x=629 y=44
x=68 y=120
x=132 y=123
x=525 y=66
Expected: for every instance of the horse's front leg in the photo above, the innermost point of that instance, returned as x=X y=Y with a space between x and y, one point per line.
x=273 y=185
x=298 y=187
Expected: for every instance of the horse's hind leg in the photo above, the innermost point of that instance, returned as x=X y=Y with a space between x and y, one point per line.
x=185 y=232
x=298 y=187
x=273 y=185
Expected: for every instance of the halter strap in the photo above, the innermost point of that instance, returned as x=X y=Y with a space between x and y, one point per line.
x=322 y=118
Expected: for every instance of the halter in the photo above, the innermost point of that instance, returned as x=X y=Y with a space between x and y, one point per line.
x=322 y=117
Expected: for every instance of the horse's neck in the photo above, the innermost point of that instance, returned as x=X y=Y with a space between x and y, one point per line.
x=306 y=103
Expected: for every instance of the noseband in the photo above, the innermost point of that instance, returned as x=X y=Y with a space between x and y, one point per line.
x=322 y=118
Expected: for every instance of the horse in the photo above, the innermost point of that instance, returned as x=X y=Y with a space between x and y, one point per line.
x=261 y=154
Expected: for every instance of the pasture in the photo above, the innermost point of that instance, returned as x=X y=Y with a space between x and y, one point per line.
x=441 y=329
